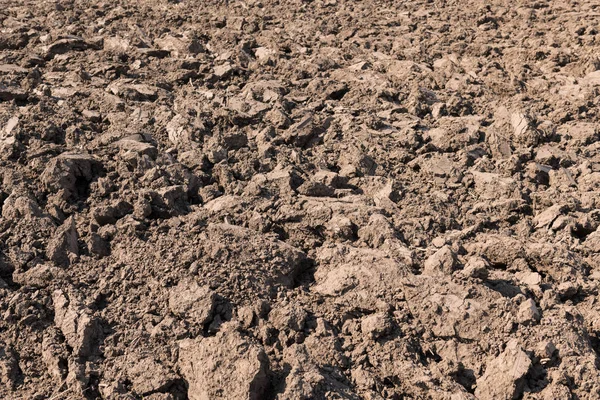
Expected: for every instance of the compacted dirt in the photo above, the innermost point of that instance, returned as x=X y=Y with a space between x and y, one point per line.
x=282 y=200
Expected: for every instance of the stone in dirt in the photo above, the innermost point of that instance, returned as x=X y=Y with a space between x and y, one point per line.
x=226 y=366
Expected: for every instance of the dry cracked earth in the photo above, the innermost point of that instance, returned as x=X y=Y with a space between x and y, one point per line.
x=298 y=199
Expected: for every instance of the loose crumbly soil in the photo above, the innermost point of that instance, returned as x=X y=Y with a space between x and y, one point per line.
x=283 y=200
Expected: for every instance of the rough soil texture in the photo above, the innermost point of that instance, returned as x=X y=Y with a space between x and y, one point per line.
x=285 y=200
